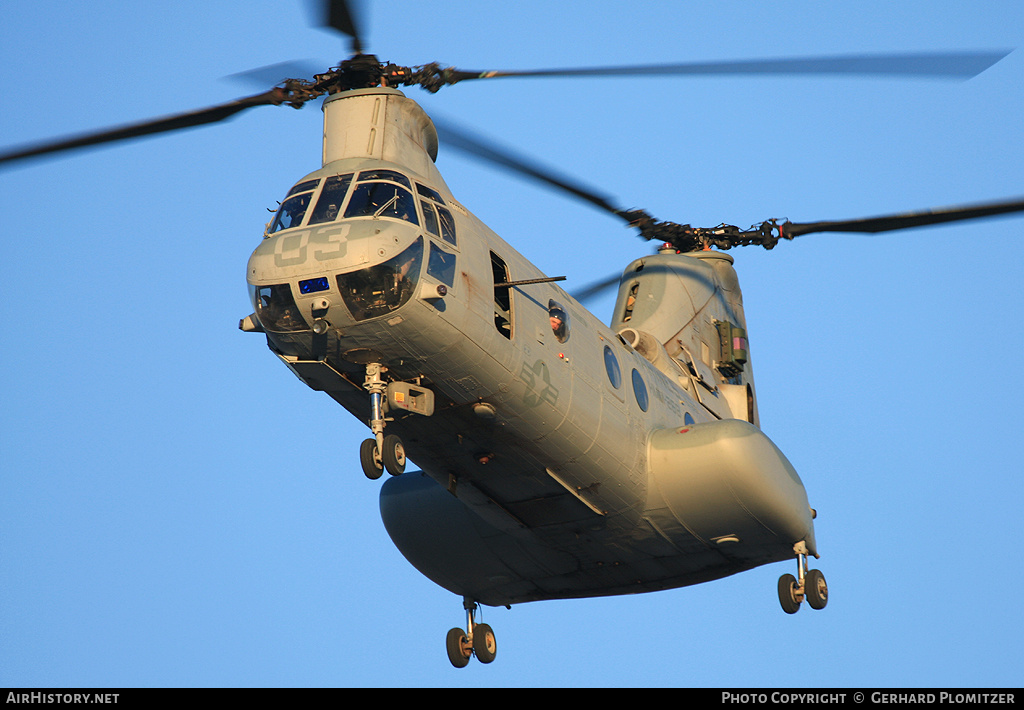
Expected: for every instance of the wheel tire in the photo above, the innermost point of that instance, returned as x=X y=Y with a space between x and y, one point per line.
x=369 y=459
x=485 y=646
x=393 y=455
x=815 y=589
x=458 y=653
x=787 y=594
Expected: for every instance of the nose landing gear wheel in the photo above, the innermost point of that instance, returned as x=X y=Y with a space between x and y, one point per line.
x=815 y=589
x=458 y=647
x=393 y=455
x=788 y=597
x=369 y=459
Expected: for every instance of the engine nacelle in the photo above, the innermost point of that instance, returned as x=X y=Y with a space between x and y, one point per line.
x=726 y=484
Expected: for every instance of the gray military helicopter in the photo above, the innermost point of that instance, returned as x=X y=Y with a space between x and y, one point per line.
x=559 y=457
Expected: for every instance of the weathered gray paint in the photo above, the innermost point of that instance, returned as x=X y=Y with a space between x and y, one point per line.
x=582 y=493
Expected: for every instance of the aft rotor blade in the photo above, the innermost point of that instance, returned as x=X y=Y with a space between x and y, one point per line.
x=145 y=128
x=940 y=65
x=888 y=223
x=461 y=139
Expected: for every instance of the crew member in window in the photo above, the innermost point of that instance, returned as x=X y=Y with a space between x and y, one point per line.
x=559 y=321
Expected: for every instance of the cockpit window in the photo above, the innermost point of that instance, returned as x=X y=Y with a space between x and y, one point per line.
x=291 y=212
x=392 y=175
x=441 y=265
x=328 y=205
x=380 y=289
x=429 y=192
x=382 y=199
x=307 y=186
x=276 y=309
x=437 y=219
x=447 y=225
x=430 y=218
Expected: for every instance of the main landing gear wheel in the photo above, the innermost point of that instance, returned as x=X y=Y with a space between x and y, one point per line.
x=815 y=589
x=479 y=642
x=788 y=597
x=809 y=584
x=369 y=459
x=484 y=644
x=459 y=649
x=393 y=455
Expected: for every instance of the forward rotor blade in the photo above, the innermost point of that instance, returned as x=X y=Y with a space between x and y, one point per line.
x=462 y=140
x=273 y=74
x=596 y=288
x=941 y=65
x=136 y=130
x=888 y=223
x=338 y=15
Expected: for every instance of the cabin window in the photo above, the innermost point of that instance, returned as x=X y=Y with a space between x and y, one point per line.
x=559 y=319
x=502 y=296
x=611 y=366
x=640 y=390
x=378 y=290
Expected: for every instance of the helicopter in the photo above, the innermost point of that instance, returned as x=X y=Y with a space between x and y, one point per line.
x=314 y=362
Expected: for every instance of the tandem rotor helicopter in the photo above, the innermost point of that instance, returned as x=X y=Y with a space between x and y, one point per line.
x=558 y=457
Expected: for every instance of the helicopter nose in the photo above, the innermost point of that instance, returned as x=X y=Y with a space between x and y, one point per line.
x=299 y=279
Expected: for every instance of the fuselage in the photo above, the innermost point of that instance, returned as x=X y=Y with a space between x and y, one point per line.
x=581 y=459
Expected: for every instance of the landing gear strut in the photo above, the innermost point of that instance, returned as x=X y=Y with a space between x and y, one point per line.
x=809 y=584
x=381 y=452
x=478 y=640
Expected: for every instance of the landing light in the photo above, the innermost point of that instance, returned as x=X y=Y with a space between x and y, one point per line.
x=314 y=285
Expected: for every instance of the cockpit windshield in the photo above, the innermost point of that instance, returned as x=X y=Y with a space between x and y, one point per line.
x=377 y=193
x=328 y=205
x=291 y=213
x=382 y=199
x=380 y=289
x=293 y=209
x=392 y=175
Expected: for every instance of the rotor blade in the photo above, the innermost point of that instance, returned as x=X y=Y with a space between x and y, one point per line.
x=273 y=74
x=338 y=15
x=160 y=125
x=950 y=65
x=594 y=289
x=461 y=139
x=888 y=223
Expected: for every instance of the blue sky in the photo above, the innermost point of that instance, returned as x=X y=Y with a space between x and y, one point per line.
x=176 y=509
